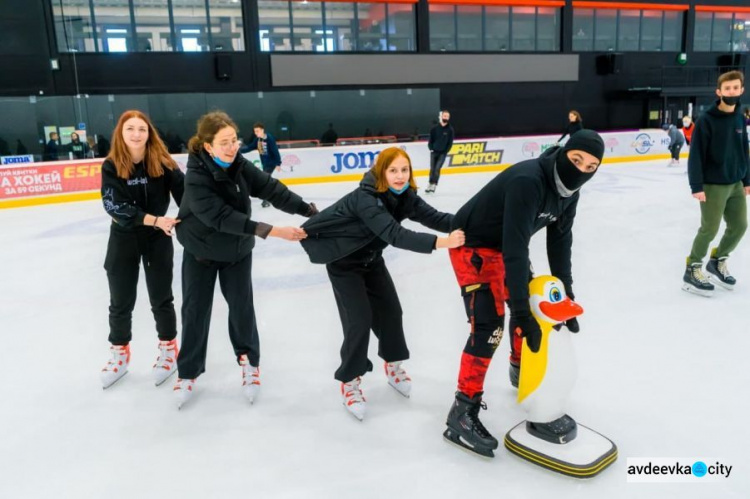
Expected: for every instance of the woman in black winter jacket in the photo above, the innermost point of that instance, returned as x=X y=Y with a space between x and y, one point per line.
x=575 y=124
x=349 y=238
x=137 y=178
x=218 y=235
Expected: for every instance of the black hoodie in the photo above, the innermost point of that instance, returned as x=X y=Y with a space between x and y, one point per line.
x=719 y=150
x=127 y=201
x=367 y=218
x=510 y=209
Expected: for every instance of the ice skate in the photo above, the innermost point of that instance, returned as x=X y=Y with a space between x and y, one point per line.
x=353 y=398
x=166 y=362
x=250 y=379
x=430 y=189
x=695 y=281
x=465 y=429
x=183 y=390
x=718 y=273
x=398 y=378
x=117 y=366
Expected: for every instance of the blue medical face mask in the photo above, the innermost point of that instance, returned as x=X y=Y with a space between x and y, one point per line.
x=399 y=192
x=221 y=163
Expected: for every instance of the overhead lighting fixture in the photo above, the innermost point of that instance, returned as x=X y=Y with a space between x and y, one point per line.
x=191 y=31
x=112 y=30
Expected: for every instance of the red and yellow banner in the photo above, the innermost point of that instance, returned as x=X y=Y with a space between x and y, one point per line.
x=40 y=179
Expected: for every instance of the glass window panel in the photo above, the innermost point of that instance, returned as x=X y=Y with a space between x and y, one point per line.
x=469 y=18
x=341 y=21
x=371 y=26
x=722 y=32
x=152 y=26
x=606 y=30
x=442 y=27
x=583 y=29
x=113 y=26
x=673 y=31
x=651 y=30
x=275 y=32
x=307 y=21
x=524 y=28
x=227 y=32
x=741 y=33
x=190 y=25
x=702 y=37
x=548 y=29
x=73 y=26
x=497 y=28
x=629 y=26
x=401 y=27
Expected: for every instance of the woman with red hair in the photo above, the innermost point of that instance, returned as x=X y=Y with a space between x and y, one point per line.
x=138 y=177
x=349 y=237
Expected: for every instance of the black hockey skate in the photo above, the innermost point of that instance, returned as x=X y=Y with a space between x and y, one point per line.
x=718 y=273
x=560 y=431
x=514 y=373
x=695 y=281
x=465 y=429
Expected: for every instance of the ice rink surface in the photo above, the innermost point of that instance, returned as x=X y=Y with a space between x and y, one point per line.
x=661 y=372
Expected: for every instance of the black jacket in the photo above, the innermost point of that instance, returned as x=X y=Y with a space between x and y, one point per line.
x=719 y=150
x=361 y=217
x=441 y=138
x=571 y=128
x=215 y=212
x=510 y=209
x=127 y=201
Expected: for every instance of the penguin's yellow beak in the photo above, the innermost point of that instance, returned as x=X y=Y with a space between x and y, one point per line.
x=561 y=311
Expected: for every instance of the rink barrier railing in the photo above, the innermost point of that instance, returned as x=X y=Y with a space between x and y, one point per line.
x=33 y=184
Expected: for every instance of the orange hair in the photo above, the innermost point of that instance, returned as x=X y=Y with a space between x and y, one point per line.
x=156 y=158
x=383 y=161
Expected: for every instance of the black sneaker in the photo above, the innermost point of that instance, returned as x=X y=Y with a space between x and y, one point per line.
x=465 y=429
x=718 y=273
x=695 y=281
x=560 y=431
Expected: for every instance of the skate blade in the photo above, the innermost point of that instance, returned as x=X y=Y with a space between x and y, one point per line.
x=452 y=437
x=358 y=417
x=115 y=381
x=700 y=292
x=718 y=282
x=159 y=383
x=407 y=395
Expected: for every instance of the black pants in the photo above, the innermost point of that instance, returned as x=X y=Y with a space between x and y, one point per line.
x=125 y=251
x=198 y=283
x=675 y=150
x=436 y=163
x=366 y=299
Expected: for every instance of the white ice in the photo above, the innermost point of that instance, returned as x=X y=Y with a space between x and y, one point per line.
x=662 y=373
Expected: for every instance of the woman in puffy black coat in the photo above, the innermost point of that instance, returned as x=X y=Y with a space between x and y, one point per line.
x=349 y=237
x=218 y=234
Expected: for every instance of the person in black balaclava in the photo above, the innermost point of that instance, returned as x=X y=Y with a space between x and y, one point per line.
x=493 y=266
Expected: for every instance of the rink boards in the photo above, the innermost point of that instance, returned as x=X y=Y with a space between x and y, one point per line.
x=31 y=184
